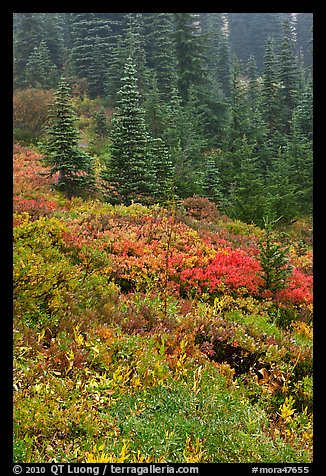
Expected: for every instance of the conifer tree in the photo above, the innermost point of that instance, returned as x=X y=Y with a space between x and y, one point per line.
x=249 y=31
x=53 y=24
x=303 y=27
x=257 y=127
x=97 y=75
x=271 y=90
x=130 y=42
x=117 y=64
x=247 y=191
x=289 y=76
x=213 y=27
x=190 y=53
x=211 y=182
x=62 y=153
x=164 y=170
x=175 y=123
x=100 y=123
x=224 y=69
x=129 y=173
x=298 y=155
x=253 y=93
x=239 y=107
x=40 y=71
x=185 y=143
x=210 y=77
x=91 y=47
x=302 y=118
x=163 y=55
x=155 y=108
x=29 y=34
x=281 y=190
x=273 y=259
x=135 y=48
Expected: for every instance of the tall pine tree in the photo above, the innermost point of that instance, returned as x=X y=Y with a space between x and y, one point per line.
x=135 y=48
x=129 y=173
x=40 y=71
x=289 y=76
x=62 y=153
x=190 y=52
x=29 y=34
x=163 y=54
x=271 y=90
x=91 y=47
x=249 y=31
x=164 y=170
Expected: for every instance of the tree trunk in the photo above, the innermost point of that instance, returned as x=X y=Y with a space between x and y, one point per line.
x=61 y=177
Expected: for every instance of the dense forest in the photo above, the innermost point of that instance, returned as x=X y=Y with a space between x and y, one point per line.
x=162 y=258
x=211 y=104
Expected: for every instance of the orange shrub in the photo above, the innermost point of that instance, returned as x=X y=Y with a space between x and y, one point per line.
x=30 y=109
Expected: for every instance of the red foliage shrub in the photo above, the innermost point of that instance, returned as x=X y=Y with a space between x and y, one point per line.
x=30 y=109
x=27 y=171
x=299 y=290
x=35 y=208
x=232 y=269
x=137 y=253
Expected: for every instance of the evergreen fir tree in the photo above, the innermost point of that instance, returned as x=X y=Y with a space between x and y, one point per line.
x=29 y=34
x=214 y=25
x=273 y=259
x=98 y=69
x=190 y=53
x=224 y=64
x=289 y=76
x=186 y=144
x=175 y=122
x=257 y=131
x=253 y=89
x=208 y=107
x=100 y=121
x=129 y=42
x=163 y=54
x=299 y=155
x=248 y=33
x=303 y=27
x=117 y=23
x=117 y=63
x=280 y=191
x=155 y=108
x=246 y=199
x=239 y=107
x=129 y=173
x=211 y=182
x=302 y=118
x=82 y=43
x=270 y=89
x=40 y=71
x=164 y=170
x=149 y=20
x=53 y=24
x=91 y=47
x=61 y=149
x=135 y=48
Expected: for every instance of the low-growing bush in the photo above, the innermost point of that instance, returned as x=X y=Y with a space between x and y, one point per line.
x=30 y=114
x=141 y=335
x=201 y=208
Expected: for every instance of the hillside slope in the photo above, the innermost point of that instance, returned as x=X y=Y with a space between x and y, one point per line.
x=145 y=334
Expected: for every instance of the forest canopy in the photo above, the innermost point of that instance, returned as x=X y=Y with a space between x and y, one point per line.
x=217 y=105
